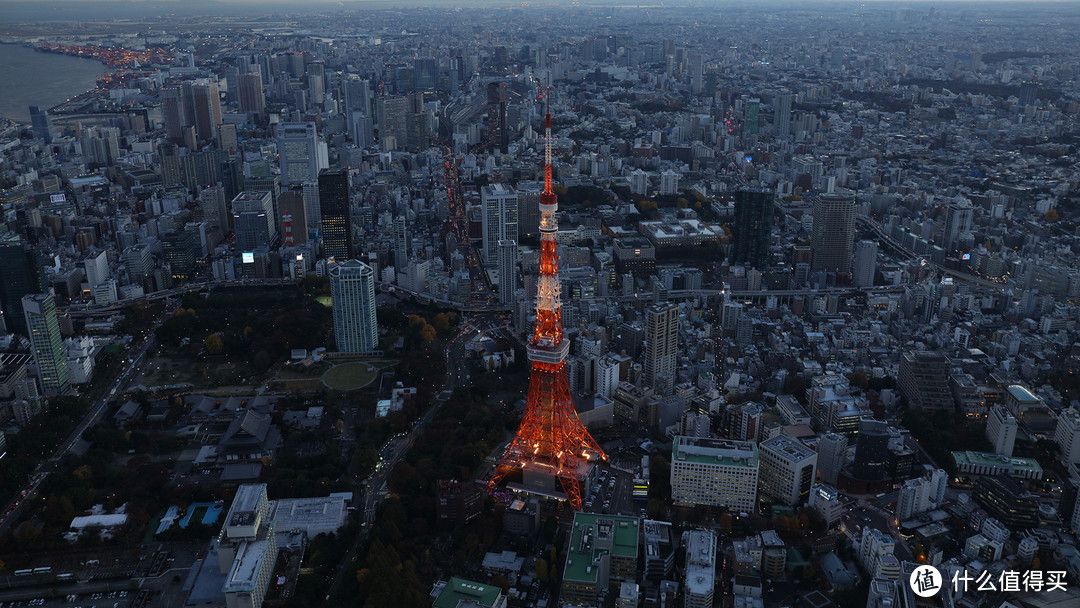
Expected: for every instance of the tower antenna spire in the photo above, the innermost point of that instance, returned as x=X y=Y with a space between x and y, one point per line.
x=547 y=142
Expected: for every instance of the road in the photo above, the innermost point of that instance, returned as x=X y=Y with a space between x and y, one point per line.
x=879 y=231
x=374 y=487
x=42 y=471
x=96 y=310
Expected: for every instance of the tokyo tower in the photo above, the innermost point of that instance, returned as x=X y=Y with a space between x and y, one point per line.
x=551 y=447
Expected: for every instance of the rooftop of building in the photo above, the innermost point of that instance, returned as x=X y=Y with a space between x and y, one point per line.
x=246 y=501
x=700 y=562
x=591 y=537
x=246 y=566
x=789 y=447
x=706 y=450
x=990 y=459
x=319 y=512
x=461 y=590
x=1021 y=394
x=498 y=189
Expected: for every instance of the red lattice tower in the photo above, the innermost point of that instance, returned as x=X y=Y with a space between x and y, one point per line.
x=551 y=435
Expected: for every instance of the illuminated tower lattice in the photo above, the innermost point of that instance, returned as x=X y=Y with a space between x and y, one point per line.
x=552 y=442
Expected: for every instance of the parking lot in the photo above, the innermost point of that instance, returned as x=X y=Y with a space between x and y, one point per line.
x=611 y=493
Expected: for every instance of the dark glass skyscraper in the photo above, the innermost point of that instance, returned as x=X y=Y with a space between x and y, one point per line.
x=41 y=123
x=19 y=276
x=753 y=227
x=871 y=451
x=336 y=213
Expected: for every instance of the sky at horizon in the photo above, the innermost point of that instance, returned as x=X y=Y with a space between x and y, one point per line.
x=540 y=3
x=24 y=11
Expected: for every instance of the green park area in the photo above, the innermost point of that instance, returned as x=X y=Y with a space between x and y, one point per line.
x=349 y=376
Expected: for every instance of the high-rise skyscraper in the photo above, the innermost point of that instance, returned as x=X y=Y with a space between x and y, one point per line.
x=865 y=263
x=252 y=97
x=752 y=236
x=171 y=166
x=316 y=80
x=661 y=346
x=697 y=73
x=751 y=112
x=358 y=95
x=958 y=220
x=311 y=204
x=390 y=119
x=172 y=112
x=39 y=119
x=46 y=343
x=782 y=114
x=507 y=270
x=528 y=210
x=499 y=219
x=498 y=136
x=336 y=212
x=401 y=242
x=253 y=221
x=871 y=450
x=358 y=106
x=833 y=232
x=207 y=102
x=352 y=292
x=19 y=276
x=301 y=153
x=214 y=210
x=187 y=95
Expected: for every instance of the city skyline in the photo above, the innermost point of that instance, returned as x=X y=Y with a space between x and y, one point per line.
x=702 y=304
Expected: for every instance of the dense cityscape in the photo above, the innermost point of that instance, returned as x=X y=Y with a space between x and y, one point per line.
x=559 y=304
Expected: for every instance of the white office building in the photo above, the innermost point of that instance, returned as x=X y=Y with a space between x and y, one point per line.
x=669 y=182
x=97 y=269
x=876 y=554
x=499 y=218
x=714 y=472
x=352 y=289
x=921 y=494
x=301 y=153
